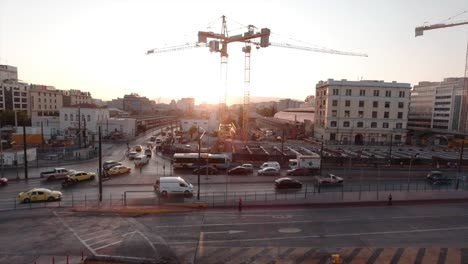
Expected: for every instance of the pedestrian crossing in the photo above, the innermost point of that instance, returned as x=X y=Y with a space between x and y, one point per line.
x=307 y=255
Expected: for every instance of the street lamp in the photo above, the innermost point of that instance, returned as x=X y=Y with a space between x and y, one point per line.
x=409 y=170
x=199 y=161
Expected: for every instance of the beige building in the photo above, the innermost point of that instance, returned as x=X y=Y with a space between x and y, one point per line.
x=76 y=97
x=361 y=112
x=44 y=100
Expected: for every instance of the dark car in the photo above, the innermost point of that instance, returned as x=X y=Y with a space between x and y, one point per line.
x=239 y=170
x=206 y=170
x=440 y=179
x=299 y=172
x=3 y=181
x=109 y=164
x=287 y=183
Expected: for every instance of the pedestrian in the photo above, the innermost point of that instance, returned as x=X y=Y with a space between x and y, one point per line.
x=390 y=199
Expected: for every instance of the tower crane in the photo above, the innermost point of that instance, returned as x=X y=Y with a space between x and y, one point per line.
x=218 y=42
x=419 y=31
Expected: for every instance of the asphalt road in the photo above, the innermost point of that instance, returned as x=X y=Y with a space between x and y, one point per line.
x=387 y=234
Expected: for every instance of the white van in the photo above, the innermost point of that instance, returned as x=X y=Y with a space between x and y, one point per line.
x=273 y=164
x=175 y=185
x=141 y=160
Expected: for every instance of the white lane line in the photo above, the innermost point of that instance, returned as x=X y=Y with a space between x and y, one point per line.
x=322 y=236
x=94 y=227
x=108 y=245
x=94 y=233
x=100 y=241
x=311 y=221
x=88 y=239
x=75 y=234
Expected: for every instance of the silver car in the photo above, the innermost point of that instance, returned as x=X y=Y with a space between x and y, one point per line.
x=269 y=171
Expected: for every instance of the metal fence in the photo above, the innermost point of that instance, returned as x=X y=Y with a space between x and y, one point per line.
x=308 y=193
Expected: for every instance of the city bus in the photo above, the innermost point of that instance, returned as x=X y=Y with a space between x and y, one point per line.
x=190 y=160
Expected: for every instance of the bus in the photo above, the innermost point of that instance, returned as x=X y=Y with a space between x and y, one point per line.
x=190 y=160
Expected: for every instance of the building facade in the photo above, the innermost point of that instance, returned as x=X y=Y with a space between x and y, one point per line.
x=76 y=97
x=361 y=112
x=186 y=104
x=437 y=105
x=44 y=100
x=284 y=104
x=90 y=117
x=8 y=72
x=13 y=94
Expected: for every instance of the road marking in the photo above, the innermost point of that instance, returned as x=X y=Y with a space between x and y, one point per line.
x=75 y=234
x=94 y=233
x=108 y=234
x=108 y=245
x=230 y=232
x=323 y=236
x=100 y=241
x=289 y=230
x=309 y=221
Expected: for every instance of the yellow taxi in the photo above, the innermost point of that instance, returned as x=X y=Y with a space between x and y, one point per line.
x=39 y=195
x=120 y=169
x=82 y=176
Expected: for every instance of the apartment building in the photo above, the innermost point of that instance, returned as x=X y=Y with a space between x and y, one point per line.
x=76 y=97
x=44 y=100
x=13 y=93
x=361 y=112
x=437 y=105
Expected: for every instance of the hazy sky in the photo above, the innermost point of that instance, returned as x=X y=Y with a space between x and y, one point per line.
x=99 y=46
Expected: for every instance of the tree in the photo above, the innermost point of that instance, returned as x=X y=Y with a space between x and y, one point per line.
x=192 y=130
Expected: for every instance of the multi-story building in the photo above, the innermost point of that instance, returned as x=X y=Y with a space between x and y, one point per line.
x=44 y=100
x=361 y=111
x=13 y=94
x=437 y=105
x=76 y=97
x=284 y=104
x=136 y=104
x=186 y=104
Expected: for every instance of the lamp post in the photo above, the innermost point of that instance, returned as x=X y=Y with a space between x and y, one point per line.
x=199 y=161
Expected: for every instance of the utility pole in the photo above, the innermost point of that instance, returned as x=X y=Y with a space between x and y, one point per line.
x=84 y=132
x=100 y=166
x=390 y=150
x=42 y=136
x=321 y=157
x=25 y=153
x=1 y=149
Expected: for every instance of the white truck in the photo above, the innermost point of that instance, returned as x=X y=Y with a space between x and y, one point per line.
x=305 y=161
x=330 y=179
x=56 y=174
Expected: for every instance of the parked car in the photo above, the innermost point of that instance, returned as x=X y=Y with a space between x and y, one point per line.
x=56 y=174
x=82 y=176
x=38 y=195
x=3 y=181
x=206 y=170
x=269 y=164
x=138 y=148
x=300 y=172
x=109 y=164
x=287 y=183
x=269 y=171
x=239 y=170
x=132 y=155
x=120 y=169
x=248 y=166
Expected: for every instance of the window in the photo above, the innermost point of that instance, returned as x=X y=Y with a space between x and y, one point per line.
x=16 y=100
x=332 y=136
x=346 y=113
x=386 y=114
x=324 y=103
x=376 y=92
x=71 y=117
x=325 y=92
x=334 y=113
x=388 y=93
x=387 y=104
x=17 y=105
x=360 y=124
x=336 y=92
x=348 y=103
x=374 y=114
x=400 y=115
x=346 y=124
x=88 y=118
x=16 y=93
x=25 y=106
x=373 y=125
x=361 y=114
x=348 y=92
x=333 y=124
x=362 y=92
x=401 y=105
x=39 y=100
x=375 y=104
x=23 y=94
x=335 y=103
x=401 y=94
x=45 y=106
x=361 y=103
x=39 y=106
x=399 y=125
x=23 y=100
x=385 y=125
x=397 y=137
